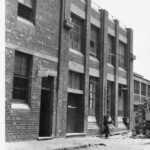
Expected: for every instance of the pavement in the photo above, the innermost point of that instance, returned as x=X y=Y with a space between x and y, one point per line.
x=121 y=141
x=56 y=144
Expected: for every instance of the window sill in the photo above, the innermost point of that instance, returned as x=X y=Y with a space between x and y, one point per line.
x=122 y=69
x=76 y=91
x=25 y=21
x=76 y=52
x=94 y=58
x=91 y=119
x=110 y=65
x=143 y=95
x=93 y=54
x=137 y=94
x=75 y=134
x=20 y=106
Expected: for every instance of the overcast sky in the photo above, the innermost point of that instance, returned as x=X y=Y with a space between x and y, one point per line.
x=134 y=14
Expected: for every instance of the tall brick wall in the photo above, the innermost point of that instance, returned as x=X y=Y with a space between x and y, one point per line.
x=48 y=42
x=40 y=41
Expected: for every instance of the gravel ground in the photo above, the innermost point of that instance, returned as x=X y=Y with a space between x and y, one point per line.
x=122 y=142
x=117 y=142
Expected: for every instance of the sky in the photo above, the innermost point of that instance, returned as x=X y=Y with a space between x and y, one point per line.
x=134 y=14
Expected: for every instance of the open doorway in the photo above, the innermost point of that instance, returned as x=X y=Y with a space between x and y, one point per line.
x=46 y=108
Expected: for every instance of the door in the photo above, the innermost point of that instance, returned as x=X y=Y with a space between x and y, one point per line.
x=46 y=109
x=75 y=113
x=71 y=115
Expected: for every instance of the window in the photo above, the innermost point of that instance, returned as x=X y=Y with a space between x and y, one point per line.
x=136 y=87
x=111 y=53
x=121 y=55
x=143 y=89
x=94 y=40
x=148 y=90
x=135 y=108
x=21 y=77
x=26 y=9
x=92 y=95
x=76 y=33
x=75 y=80
x=110 y=87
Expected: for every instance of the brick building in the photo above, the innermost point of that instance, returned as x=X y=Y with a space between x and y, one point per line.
x=141 y=92
x=67 y=63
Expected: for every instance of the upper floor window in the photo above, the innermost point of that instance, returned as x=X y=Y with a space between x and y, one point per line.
x=143 y=89
x=75 y=80
x=22 y=69
x=121 y=55
x=148 y=90
x=111 y=52
x=136 y=87
x=26 y=9
x=93 y=82
x=76 y=34
x=94 y=40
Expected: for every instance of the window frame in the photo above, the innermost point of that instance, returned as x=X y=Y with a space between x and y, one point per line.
x=122 y=55
x=94 y=39
x=76 y=34
x=143 y=89
x=18 y=88
x=93 y=82
x=27 y=11
x=148 y=89
x=75 y=80
x=136 y=87
x=111 y=52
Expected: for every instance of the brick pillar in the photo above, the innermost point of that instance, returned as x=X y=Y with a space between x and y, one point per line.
x=116 y=46
x=63 y=63
x=130 y=90
x=103 y=65
x=86 y=62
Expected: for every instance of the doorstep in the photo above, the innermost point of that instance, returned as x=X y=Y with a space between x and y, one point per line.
x=121 y=132
x=75 y=134
x=45 y=138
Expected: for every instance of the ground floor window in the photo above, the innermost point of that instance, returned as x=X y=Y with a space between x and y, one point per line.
x=122 y=100
x=93 y=84
x=110 y=89
x=21 y=80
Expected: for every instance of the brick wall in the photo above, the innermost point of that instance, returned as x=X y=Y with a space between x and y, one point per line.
x=48 y=42
x=40 y=40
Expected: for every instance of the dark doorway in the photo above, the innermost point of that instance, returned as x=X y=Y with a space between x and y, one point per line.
x=46 y=108
x=75 y=113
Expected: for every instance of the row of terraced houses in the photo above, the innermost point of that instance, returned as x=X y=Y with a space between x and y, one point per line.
x=67 y=64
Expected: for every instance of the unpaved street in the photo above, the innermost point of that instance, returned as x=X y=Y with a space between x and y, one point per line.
x=122 y=142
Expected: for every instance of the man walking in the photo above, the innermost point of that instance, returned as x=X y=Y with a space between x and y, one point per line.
x=106 y=123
